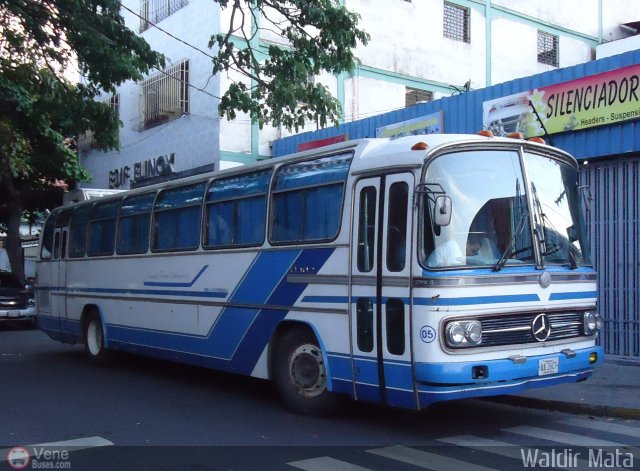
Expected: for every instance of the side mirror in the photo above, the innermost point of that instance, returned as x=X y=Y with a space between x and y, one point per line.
x=442 y=211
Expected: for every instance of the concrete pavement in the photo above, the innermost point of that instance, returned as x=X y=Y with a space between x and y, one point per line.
x=612 y=391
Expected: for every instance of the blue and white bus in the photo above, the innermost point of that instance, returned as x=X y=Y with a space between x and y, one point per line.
x=404 y=272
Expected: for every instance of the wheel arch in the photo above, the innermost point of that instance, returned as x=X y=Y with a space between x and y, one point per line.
x=286 y=326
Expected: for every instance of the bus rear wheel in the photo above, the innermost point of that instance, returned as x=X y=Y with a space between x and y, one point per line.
x=93 y=336
x=300 y=374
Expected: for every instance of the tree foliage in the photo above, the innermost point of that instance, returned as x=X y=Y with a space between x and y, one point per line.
x=316 y=36
x=40 y=108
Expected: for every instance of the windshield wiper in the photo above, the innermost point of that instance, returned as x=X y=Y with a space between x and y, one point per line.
x=540 y=229
x=509 y=250
x=539 y=224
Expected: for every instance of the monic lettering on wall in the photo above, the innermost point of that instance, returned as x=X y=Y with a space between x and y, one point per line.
x=161 y=165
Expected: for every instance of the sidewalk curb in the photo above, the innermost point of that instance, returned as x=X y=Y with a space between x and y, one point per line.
x=569 y=407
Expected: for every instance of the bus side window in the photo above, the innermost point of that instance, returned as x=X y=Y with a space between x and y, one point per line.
x=397 y=227
x=428 y=229
x=102 y=228
x=177 y=217
x=308 y=200
x=56 y=246
x=395 y=326
x=63 y=246
x=47 y=238
x=364 y=321
x=78 y=232
x=367 y=229
x=62 y=221
x=134 y=223
x=236 y=210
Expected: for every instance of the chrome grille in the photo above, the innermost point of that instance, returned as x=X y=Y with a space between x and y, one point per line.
x=516 y=329
x=13 y=302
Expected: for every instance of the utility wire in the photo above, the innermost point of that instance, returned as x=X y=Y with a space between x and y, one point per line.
x=166 y=32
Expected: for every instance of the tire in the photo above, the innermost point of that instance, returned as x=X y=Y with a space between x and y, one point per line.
x=93 y=336
x=300 y=374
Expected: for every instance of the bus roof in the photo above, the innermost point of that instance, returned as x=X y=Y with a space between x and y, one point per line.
x=369 y=155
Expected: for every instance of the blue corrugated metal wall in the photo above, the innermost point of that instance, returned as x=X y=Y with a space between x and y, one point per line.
x=463 y=114
x=612 y=174
x=614 y=223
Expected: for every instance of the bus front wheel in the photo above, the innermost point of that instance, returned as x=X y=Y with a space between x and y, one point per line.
x=94 y=340
x=300 y=374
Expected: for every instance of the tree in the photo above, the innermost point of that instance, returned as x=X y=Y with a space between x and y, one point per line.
x=40 y=108
x=320 y=36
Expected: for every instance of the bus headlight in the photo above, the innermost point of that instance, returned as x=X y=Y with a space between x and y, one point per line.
x=455 y=333
x=473 y=332
x=592 y=322
x=464 y=333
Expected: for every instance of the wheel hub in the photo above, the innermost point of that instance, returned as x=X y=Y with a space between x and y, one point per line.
x=307 y=371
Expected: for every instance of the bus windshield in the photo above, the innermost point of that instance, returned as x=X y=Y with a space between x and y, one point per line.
x=491 y=223
x=557 y=211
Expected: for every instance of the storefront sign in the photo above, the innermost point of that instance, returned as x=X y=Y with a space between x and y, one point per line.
x=162 y=165
x=429 y=124
x=596 y=100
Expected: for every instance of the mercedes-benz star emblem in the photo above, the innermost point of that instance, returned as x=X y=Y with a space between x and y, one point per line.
x=541 y=327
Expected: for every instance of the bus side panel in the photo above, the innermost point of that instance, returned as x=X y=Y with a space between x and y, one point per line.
x=171 y=308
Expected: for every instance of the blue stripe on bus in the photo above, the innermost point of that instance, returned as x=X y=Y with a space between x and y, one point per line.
x=240 y=335
x=262 y=278
x=510 y=269
x=508 y=298
x=154 y=292
x=177 y=285
x=435 y=301
x=398 y=378
x=429 y=395
x=285 y=294
x=573 y=295
x=326 y=299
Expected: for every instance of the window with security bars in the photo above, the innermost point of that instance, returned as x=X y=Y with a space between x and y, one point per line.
x=547 y=48
x=154 y=11
x=456 y=22
x=114 y=103
x=165 y=96
x=415 y=95
x=86 y=141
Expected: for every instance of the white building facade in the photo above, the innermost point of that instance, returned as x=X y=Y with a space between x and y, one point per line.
x=420 y=50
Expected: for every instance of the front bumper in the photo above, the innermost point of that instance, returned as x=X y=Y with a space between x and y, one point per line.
x=15 y=314
x=445 y=381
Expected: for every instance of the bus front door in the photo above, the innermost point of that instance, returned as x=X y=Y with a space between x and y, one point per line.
x=380 y=290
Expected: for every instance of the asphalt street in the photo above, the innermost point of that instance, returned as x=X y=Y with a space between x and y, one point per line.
x=142 y=413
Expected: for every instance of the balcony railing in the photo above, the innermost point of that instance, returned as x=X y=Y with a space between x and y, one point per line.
x=154 y=11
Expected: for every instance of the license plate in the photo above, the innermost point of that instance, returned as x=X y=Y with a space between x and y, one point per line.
x=548 y=366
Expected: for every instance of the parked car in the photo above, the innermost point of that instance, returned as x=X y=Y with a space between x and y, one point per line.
x=16 y=300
